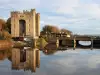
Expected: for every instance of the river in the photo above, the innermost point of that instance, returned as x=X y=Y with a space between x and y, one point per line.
x=66 y=62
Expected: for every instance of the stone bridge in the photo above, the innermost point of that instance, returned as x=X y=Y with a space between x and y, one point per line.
x=74 y=41
x=82 y=38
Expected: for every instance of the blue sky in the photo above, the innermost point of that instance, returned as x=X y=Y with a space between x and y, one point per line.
x=79 y=16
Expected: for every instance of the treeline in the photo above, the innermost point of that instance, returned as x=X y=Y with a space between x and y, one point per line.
x=54 y=29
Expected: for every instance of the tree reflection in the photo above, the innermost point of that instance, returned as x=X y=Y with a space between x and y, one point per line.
x=5 y=54
x=50 y=49
x=49 y=52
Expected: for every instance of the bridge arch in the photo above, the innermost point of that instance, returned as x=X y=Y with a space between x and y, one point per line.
x=85 y=43
x=80 y=43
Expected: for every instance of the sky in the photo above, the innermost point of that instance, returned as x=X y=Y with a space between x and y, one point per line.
x=78 y=16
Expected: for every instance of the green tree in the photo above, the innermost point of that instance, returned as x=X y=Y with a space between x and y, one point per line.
x=8 y=25
x=41 y=43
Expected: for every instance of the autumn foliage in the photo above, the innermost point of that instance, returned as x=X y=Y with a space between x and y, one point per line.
x=47 y=29
x=65 y=31
x=4 y=34
x=2 y=24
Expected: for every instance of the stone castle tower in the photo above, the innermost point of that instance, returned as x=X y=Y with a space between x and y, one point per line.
x=25 y=23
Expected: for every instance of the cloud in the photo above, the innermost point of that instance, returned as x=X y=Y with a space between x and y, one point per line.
x=78 y=16
x=85 y=62
x=94 y=61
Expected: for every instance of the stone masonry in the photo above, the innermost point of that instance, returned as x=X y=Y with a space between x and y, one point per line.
x=32 y=23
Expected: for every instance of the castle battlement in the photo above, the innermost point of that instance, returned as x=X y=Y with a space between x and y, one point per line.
x=33 y=9
x=24 y=12
x=30 y=20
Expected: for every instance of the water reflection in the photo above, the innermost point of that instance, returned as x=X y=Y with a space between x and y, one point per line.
x=49 y=52
x=70 y=62
x=27 y=59
x=52 y=49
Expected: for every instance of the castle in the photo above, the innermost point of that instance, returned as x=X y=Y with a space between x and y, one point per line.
x=26 y=23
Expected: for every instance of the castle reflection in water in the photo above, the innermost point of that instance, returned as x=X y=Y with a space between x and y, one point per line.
x=26 y=59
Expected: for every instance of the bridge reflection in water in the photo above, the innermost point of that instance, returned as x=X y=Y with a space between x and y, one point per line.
x=27 y=59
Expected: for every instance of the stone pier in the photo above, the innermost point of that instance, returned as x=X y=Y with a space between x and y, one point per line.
x=74 y=43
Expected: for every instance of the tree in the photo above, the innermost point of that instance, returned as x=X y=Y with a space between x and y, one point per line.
x=6 y=35
x=49 y=29
x=65 y=31
x=5 y=25
x=55 y=29
x=2 y=24
x=8 y=25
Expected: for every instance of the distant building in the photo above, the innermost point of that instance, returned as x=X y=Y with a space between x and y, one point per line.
x=60 y=35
